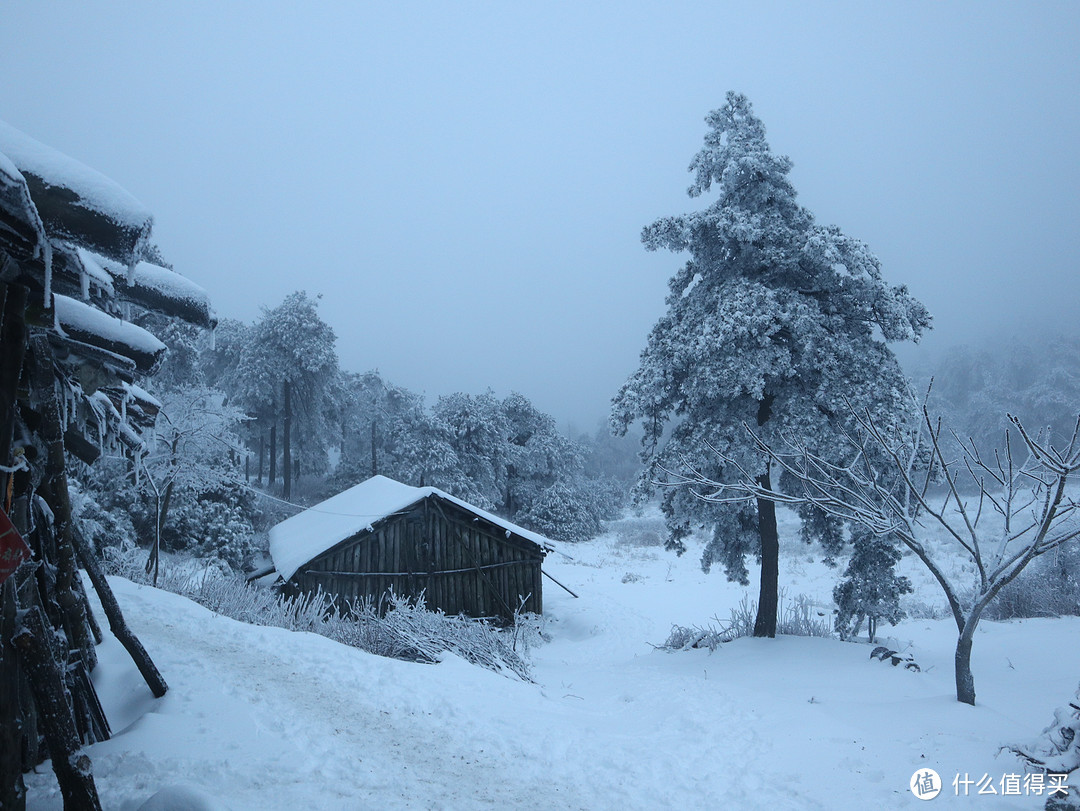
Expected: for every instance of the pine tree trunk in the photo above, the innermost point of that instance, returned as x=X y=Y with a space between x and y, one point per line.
x=262 y=453
x=769 y=593
x=286 y=444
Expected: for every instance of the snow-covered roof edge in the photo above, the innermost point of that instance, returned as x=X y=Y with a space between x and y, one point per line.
x=54 y=167
x=303 y=537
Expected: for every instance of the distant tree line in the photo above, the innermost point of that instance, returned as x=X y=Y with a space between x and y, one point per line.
x=266 y=407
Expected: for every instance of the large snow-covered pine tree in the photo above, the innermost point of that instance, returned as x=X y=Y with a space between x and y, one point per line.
x=775 y=322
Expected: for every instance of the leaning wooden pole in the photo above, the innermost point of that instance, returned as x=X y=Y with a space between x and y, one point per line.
x=117 y=624
x=55 y=492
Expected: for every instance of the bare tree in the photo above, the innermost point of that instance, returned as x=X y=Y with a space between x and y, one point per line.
x=996 y=512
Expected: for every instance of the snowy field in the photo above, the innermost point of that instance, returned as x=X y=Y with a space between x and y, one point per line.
x=262 y=718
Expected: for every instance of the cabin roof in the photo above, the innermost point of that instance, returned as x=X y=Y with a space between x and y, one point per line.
x=305 y=536
x=55 y=169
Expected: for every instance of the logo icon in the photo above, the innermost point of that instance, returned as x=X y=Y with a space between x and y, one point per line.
x=925 y=784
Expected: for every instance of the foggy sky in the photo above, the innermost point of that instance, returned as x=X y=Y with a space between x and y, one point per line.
x=465 y=184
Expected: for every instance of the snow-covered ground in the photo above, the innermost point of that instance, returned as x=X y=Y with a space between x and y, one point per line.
x=262 y=718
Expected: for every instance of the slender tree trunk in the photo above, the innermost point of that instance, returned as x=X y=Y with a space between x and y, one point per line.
x=965 y=681
x=769 y=594
x=270 y=479
x=286 y=444
x=166 y=500
x=374 y=452
x=262 y=452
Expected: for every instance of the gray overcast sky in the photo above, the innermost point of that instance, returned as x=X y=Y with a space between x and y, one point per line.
x=466 y=183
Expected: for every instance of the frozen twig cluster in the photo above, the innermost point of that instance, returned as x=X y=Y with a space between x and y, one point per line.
x=798 y=617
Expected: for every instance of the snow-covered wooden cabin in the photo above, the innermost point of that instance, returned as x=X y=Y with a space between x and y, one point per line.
x=382 y=535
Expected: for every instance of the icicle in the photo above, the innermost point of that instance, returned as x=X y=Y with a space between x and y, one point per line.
x=213 y=338
x=84 y=284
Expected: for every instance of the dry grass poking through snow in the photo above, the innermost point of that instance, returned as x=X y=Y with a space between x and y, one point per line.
x=406 y=631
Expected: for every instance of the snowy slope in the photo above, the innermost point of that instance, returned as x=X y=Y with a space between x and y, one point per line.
x=266 y=719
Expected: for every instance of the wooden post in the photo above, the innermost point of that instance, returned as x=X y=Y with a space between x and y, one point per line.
x=12 y=788
x=12 y=351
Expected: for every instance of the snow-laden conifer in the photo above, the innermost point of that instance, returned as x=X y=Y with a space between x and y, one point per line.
x=774 y=321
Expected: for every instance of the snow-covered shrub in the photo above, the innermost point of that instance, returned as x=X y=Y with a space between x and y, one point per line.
x=870 y=589
x=641 y=531
x=564 y=513
x=1049 y=587
x=895 y=658
x=683 y=638
x=101 y=525
x=214 y=525
x=1056 y=752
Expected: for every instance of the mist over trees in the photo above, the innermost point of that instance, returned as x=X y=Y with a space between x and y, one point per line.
x=975 y=386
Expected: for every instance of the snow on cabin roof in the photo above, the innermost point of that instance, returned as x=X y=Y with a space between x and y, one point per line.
x=171 y=284
x=56 y=169
x=14 y=192
x=82 y=319
x=305 y=536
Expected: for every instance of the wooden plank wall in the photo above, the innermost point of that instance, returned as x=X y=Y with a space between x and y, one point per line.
x=434 y=548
